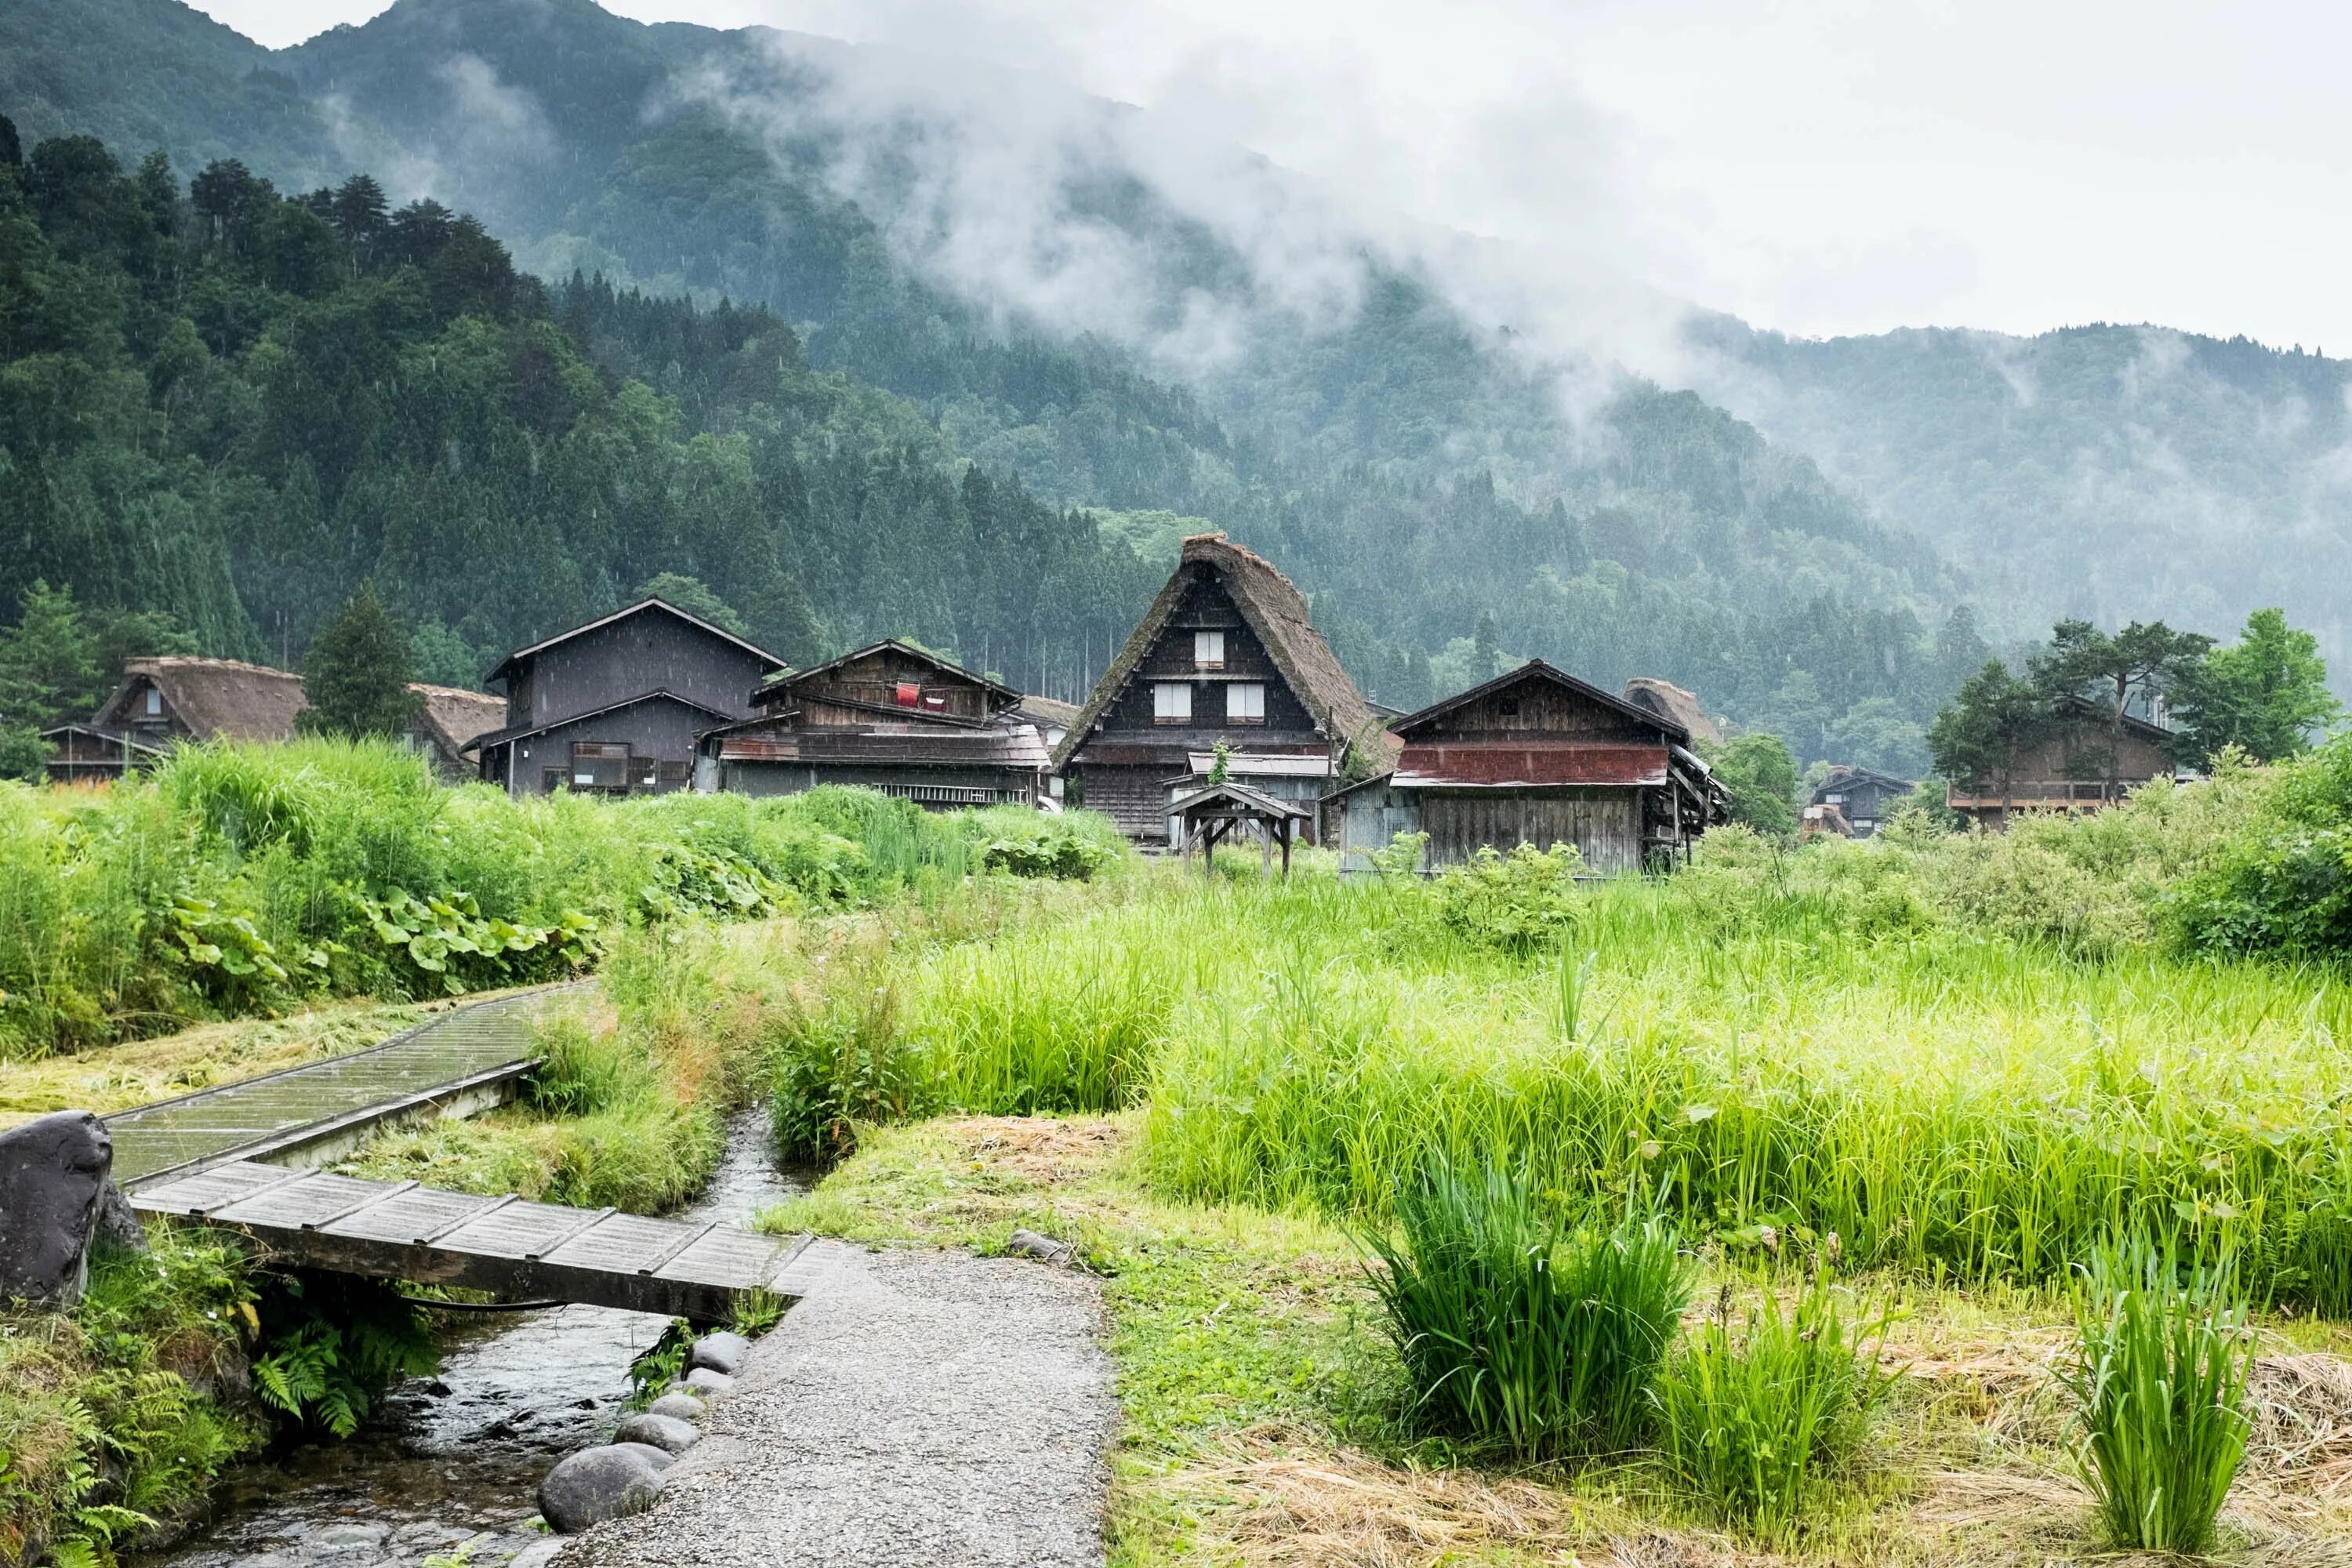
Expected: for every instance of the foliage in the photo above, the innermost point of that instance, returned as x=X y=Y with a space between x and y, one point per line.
x=330 y=1344
x=2159 y=1383
x=660 y=1364
x=2279 y=878
x=1518 y=1327
x=1760 y=776
x=357 y=673
x=1072 y=846
x=1753 y=1419
x=840 y=1060
x=2266 y=694
x=1987 y=728
x=1522 y=902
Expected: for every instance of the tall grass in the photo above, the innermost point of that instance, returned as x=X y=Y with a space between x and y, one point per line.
x=2160 y=1384
x=1519 y=1327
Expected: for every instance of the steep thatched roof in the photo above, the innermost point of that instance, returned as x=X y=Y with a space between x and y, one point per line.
x=1669 y=702
x=214 y=698
x=1277 y=611
x=459 y=718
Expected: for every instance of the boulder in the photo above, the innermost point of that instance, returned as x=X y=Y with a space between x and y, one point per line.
x=538 y=1554
x=664 y=1432
x=53 y=1181
x=118 y=1223
x=678 y=1407
x=704 y=1380
x=598 y=1484
x=659 y=1458
x=1029 y=1244
x=721 y=1352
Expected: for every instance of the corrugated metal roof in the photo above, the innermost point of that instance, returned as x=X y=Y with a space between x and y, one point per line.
x=1017 y=746
x=1490 y=765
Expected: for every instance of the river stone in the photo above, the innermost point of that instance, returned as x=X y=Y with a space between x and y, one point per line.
x=538 y=1554
x=678 y=1407
x=665 y=1432
x=702 y=1380
x=118 y=1222
x=598 y=1484
x=53 y=1178
x=721 y=1352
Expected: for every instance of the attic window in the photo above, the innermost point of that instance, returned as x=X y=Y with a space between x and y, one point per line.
x=155 y=702
x=910 y=695
x=1172 y=702
x=1208 y=650
x=1245 y=702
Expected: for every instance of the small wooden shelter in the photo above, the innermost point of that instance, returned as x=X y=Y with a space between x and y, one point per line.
x=1207 y=815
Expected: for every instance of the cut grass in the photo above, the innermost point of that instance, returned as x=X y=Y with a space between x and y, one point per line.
x=1260 y=1400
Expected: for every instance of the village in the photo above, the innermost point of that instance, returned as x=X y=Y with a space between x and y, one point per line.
x=1223 y=717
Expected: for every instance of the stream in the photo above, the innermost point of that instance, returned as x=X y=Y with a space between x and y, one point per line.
x=457 y=1458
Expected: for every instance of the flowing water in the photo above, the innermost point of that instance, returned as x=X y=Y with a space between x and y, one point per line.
x=459 y=1459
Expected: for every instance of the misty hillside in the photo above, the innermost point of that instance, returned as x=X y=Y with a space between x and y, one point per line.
x=1161 y=334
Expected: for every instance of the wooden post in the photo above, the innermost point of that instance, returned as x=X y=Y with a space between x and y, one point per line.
x=1286 y=845
x=1265 y=849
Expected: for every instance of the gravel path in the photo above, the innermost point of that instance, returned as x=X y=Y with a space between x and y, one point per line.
x=916 y=1408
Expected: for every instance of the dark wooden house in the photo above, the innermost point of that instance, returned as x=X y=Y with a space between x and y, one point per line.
x=1535 y=756
x=168 y=699
x=2077 y=767
x=891 y=718
x=614 y=706
x=1226 y=653
x=1861 y=796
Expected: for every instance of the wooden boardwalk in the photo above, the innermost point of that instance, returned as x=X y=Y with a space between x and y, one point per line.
x=456 y=1062
x=517 y=1250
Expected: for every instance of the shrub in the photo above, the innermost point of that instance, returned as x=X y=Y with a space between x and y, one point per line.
x=840 y=1060
x=1519 y=1328
x=2160 y=1387
x=1751 y=1420
x=331 y=1345
x=1521 y=902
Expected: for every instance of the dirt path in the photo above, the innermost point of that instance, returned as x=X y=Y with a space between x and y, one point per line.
x=918 y=1409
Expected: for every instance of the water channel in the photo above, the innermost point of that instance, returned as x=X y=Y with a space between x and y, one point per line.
x=457 y=1459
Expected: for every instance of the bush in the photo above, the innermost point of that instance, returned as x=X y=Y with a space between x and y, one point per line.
x=2160 y=1387
x=840 y=1060
x=1750 y=1420
x=1521 y=902
x=1518 y=1329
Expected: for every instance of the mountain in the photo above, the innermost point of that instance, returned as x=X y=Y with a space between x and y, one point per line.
x=1074 y=298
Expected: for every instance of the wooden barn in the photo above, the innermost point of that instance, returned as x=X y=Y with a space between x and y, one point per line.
x=890 y=717
x=1226 y=653
x=1535 y=756
x=614 y=706
x=2072 y=768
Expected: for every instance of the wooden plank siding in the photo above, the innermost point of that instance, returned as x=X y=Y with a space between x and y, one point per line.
x=1605 y=825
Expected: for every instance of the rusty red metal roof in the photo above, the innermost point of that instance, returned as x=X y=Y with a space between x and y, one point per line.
x=1490 y=764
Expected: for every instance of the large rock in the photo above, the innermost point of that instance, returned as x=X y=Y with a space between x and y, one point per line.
x=665 y=1432
x=721 y=1352
x=678 y=1407
x=598 y=1484
x=53 y=1180
x=704 y=1382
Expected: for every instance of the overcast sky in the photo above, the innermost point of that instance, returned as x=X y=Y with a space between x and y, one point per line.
x=1827 y=167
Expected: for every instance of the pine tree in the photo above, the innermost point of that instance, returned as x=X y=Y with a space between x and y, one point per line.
x=357 y=672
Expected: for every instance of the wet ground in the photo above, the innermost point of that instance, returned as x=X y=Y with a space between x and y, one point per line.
x=451 y=1467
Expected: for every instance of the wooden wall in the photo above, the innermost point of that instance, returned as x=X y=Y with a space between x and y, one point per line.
x=1605 y=825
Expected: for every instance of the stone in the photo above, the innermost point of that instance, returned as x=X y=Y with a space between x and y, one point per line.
x=53 y=1180
x=665 y=1432
x=702 y=1380
x=721 y=1352
x=118 y=1222
x=538 y=1554
x=1029 y=1244
x=341 y=1538
x=598 y=1484
x=678 y=1407
x=659 y=1458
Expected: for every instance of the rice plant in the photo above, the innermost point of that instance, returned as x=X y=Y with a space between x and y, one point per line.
x=1519 y=1328
x=1753 y=1418
x=2160 y=1387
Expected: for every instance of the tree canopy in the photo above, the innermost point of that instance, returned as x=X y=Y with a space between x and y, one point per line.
x=358 y=671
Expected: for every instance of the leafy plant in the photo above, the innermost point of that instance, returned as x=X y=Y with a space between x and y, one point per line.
x=841 y=1060
x=331 y=1345
x=1519 y=902
x=1751 y=1418
x=660 y=1364
x=446 y=942
x=2159 y=1383
x=1519 y=1328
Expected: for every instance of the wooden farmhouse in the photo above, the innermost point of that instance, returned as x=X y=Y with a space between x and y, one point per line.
x=891 y=717
x=1535 y=756
x=166 y=700
x=2070 y=769
x=1860 y=798
x=614 y=706
x=1226 y=653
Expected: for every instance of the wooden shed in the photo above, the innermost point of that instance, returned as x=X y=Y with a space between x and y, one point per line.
x=1226 y=653
x=1535 y=756
x=890 y=717
x=614 y=706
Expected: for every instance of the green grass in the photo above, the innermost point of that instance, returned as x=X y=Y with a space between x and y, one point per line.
x=1518 y=1327
x=2159 y=1386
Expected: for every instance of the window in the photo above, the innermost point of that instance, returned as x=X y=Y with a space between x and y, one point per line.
x=599 y=764
x=154 y=703
x=910 y=695
x=1245 y=702
x=1172 y=702
x=1208 y=650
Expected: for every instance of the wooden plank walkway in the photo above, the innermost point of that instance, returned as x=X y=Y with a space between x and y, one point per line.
x=458 y=1061
x=517 y=1250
